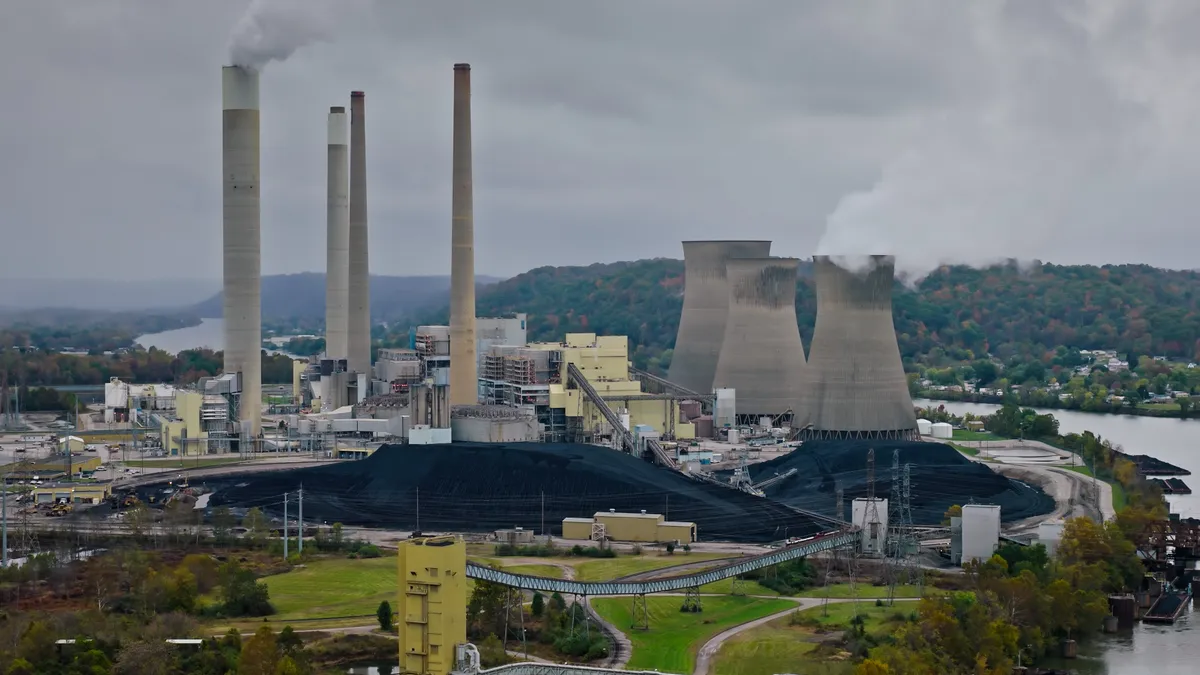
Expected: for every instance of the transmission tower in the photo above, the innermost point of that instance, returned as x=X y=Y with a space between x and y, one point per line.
x=911 y=544
x=894 y=546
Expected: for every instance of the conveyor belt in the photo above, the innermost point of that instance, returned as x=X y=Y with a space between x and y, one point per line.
x=822 y=542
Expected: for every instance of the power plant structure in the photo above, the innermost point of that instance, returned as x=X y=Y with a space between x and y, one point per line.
x=854 y=385
x=337 y=245
x=762 y=356
x=464 y=383
x=241 y=240
x=705 y=309
x=358 y=318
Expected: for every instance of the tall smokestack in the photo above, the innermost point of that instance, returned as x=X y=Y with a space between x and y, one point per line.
x=705 y=309
x=242 y=291
x=358 y=320
x=855 y=385
x=762 y=357
x=464 y=386
x=337 y=245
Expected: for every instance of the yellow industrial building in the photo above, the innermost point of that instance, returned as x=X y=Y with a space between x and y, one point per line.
x=184 y=435
x=82 y=493
x=637 y=527
x=51 y=468
x=431 y=611
x=536 y=374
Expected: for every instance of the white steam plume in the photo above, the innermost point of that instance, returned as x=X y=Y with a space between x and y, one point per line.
x=272 y=30
x=1068 y=143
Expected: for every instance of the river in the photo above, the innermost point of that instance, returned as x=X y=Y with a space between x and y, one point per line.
x=1148 y=649
x=209 y=333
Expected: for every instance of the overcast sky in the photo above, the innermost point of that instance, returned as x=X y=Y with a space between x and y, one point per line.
x=604 y=131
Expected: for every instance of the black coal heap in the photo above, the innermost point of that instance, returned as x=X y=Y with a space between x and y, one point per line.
x=487 y=486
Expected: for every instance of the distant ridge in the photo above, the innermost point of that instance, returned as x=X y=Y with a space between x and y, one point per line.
x=302 y=296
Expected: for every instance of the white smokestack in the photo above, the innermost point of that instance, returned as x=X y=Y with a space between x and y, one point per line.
x=242 y=301
x=359 y=317
x=464 y=385
x=337 y=247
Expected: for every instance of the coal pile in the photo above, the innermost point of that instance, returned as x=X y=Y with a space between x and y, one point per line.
x=463 y=487
x=939 y=478
x=1152 y=466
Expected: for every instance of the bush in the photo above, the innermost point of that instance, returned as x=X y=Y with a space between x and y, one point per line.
x=384 y=614
x=531 y=551
x=592 y=552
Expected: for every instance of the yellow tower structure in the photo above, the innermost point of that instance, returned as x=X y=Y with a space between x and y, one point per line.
x=433 y=601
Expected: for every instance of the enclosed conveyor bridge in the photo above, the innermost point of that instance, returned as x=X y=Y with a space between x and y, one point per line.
x=822 y=542
x=626 y=438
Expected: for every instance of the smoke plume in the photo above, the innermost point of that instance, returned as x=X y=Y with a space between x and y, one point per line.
x=1064 y=143
x=272 y=30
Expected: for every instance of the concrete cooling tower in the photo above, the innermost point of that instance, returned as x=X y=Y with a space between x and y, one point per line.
x=705 y=308
x=855 y=385
x=241 y=239
x=762 y=357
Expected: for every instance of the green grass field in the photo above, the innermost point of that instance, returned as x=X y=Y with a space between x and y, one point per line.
x=548 y=571
x=773 y=648
x=782 y=647
x=333 y=587
x=970 y=452
x=866 y=591
x=675 y=637
x=967 y=435
x=604 y=569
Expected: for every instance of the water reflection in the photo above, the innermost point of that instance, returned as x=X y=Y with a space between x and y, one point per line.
x=1148 y=649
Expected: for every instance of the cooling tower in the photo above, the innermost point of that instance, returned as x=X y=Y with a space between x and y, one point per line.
x=337 y=245
x=464 y=386
x=242 y=290
x=762 y=357
x=855 y=385
x=358 y=319
x=705 y=307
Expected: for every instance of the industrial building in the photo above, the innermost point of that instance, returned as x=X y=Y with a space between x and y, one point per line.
x=762 y=357
x=870 y=515
x=705 y=309
x=975 y=535
x=535 y=377
x=132 y=403
x=854 y=385
x=636 y=527
x=433 y=592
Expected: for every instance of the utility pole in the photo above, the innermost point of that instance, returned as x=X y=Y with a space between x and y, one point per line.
x=418 y=509
x=300 y=523
x=543 y=513
x=4 y=521
x=285 y=527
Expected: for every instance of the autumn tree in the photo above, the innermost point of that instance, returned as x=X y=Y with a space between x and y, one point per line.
x=260 y=654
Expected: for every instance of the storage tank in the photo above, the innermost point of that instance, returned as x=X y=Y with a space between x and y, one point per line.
x=942 y=430
x=924 y=427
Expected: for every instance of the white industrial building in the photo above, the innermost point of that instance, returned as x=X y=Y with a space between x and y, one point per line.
x=1049 y=534
x=871 y=515
x=125 y=402
x=974 y=535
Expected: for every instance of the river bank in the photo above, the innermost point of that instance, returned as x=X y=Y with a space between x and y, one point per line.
x=1166 y=411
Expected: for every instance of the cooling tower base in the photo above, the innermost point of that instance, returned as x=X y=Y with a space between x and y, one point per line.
x=891 y=435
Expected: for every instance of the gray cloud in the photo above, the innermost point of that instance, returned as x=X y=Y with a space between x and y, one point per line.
x=611 y=131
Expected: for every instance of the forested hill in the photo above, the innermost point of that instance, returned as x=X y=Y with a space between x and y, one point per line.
x=1003 y=310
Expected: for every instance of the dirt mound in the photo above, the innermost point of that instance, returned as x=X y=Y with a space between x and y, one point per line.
x=483 y=486
x=940 y=477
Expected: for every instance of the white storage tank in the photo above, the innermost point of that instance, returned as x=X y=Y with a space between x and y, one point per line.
x=1049 y=534
x=925 y=427
x=942 y=430
x=733 y=435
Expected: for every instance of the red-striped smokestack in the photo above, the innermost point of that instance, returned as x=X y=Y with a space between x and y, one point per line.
x=464 y=385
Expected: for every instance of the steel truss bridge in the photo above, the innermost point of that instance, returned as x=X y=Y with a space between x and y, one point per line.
x=687 y=582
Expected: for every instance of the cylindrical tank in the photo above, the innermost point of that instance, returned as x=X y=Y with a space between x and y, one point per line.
x=942 y=430
x=734 y=437
x=925 y=427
